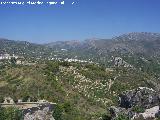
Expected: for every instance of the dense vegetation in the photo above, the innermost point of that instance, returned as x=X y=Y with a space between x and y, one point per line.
x=81 y=91
x=10 y=114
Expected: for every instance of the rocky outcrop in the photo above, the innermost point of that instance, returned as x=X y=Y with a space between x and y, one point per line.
x=149 y=113
x=138 y=103
x=142 y=96
x=118 y=61
x=42 y=112
x=116 y=111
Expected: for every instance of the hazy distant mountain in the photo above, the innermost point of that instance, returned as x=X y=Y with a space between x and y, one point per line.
x=143 y=43
x=23 y=48
x=134 y=43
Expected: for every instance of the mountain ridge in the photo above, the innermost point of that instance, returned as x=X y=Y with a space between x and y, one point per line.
x=135 y=43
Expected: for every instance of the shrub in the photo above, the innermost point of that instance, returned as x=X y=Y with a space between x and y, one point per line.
x=138 y=109
x=57 y=113
x=122 y=117
x=10 y=114
x=1 y=99
x=106 y=117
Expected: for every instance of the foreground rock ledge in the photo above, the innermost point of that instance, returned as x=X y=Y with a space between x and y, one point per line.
x=141 y=103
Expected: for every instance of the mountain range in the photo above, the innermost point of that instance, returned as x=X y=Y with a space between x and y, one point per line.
x=84 y=90
x=142 y=42
x=133 y=43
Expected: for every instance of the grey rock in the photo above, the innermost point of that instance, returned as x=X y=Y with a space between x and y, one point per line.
x=116 y=111
x=141 y=96
x=118 y=61
x=42 y=112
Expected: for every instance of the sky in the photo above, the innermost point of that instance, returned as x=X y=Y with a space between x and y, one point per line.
x=81 y=20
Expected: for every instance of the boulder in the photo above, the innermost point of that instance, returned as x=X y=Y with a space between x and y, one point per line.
x=137 y=104
x=142 y=96
x=42 y=112
x=116 y=111
x=118 y=61
x=150 y=113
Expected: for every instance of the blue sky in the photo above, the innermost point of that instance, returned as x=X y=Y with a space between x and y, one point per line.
x=84 y=19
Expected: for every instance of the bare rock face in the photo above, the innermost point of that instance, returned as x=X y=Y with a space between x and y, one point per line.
x=141 y=103
x=42 y=112
x=149 y=113
x=118 y=61
x=142 y=96
x=116 y=111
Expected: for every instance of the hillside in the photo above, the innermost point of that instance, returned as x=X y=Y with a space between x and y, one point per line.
x=98 y=50
x=132 y=47
x=133 y=43
x=25 y=49
x=85 y=90
x=123 y=70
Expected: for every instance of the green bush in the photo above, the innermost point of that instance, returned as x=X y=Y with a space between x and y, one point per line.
x=1 y=99
x=106 y=117
x=67 y=107
x=122 y=117
x=138 y=109
x=10 y=114
x=57 y=113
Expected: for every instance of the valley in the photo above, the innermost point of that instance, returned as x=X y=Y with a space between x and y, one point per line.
x=99 y=79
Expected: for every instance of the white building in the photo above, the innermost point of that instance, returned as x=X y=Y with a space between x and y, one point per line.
x=7 y=56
